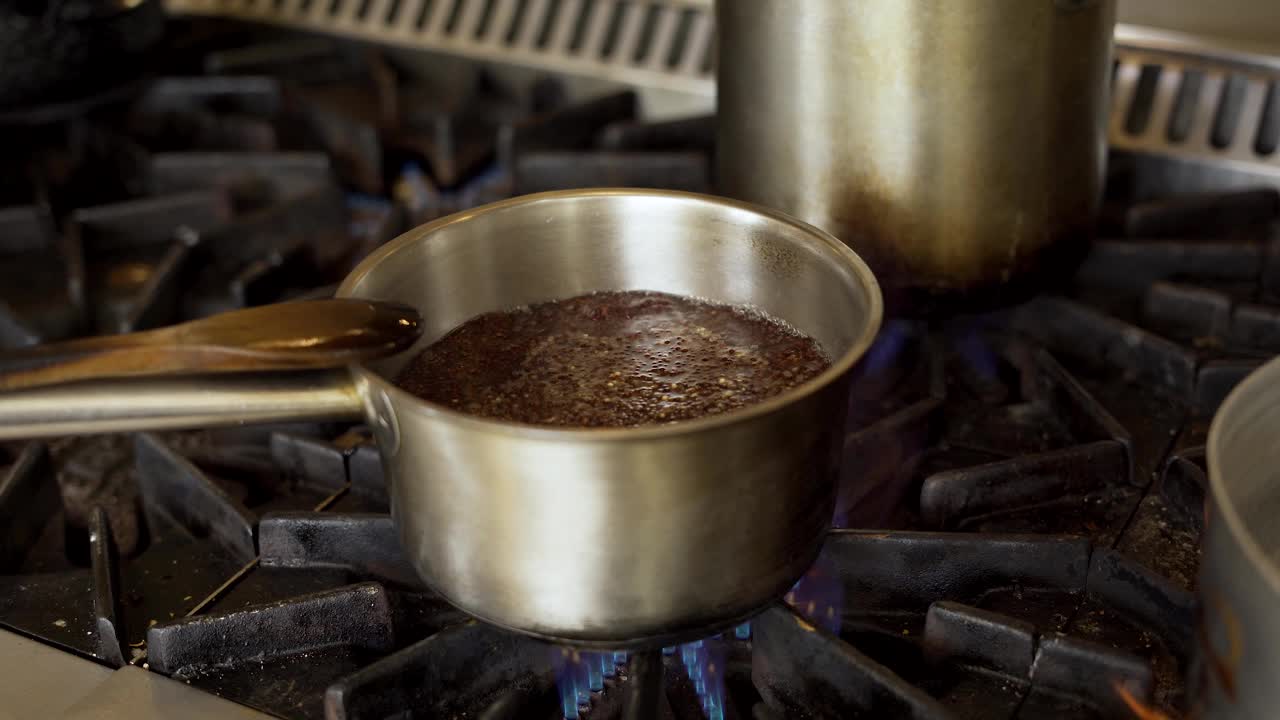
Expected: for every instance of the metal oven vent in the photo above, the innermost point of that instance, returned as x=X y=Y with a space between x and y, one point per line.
x=1176 y=97
x=668 y=44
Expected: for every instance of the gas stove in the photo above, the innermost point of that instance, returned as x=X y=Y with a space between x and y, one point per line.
x=1019 y=517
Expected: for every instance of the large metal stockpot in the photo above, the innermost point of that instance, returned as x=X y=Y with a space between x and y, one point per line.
x=958 y=146
x=1239 y=648
x=615 y=537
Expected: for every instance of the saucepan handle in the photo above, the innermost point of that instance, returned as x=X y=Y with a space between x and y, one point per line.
x=127 y=405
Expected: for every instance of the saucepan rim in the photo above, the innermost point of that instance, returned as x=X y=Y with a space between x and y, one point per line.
x=1257 y=387
x=861 y=271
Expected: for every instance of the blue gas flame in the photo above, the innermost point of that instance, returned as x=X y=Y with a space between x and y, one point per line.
x=888 y=346
x=978 y=354
x=580 y=677
x=703 y=662
x=819 y=596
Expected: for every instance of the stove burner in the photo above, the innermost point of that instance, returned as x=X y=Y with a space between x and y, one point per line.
x=1029 y=485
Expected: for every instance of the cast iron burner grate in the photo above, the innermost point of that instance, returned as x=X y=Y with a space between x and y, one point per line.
x=1029 y=484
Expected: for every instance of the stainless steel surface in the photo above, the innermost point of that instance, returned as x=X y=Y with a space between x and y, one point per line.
x=128 y=405
x=1240 y=569
x=1234 y=21
x=667 y=43
x=132 y=693
x=609 y=536
x=40 y=681
x=1211 y=114
x=956 y=146
x=618 y=535
x=676 y=53
x=673 y=54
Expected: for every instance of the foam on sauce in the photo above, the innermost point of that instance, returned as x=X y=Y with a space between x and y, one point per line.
x=613 y=359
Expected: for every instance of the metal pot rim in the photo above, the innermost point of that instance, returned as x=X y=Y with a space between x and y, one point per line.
x=839 y=366
x=1256 y=385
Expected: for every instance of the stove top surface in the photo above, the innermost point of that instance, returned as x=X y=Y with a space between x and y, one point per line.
x=1027 y=485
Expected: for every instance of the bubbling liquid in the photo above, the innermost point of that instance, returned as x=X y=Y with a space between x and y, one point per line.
x=613 y=359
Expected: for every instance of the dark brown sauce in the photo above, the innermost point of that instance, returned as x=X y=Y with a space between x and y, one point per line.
x=616 y=359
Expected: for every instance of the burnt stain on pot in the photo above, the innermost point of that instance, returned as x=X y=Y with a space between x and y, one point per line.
x=910 y=254
x=782 y=261
x=959 y=162
x=1075 y=5
x=1033 y=265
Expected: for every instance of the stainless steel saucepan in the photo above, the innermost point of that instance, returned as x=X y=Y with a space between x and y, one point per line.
x=958 y=145
x=611 y=537
x=1239 y=658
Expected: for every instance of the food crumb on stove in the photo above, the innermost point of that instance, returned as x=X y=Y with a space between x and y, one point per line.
x=60 y=623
